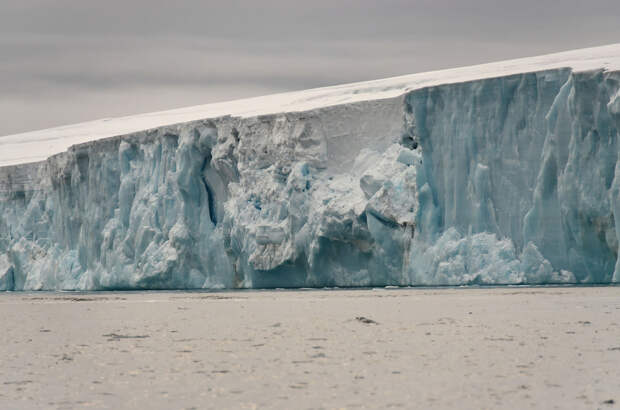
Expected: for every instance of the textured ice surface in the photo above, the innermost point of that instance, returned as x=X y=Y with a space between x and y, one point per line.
x=496 y=174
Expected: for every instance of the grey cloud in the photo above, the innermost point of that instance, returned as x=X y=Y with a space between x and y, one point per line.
x=72 y=60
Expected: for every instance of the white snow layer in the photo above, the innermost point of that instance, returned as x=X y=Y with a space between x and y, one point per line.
x=39 y=145
x=495 y=174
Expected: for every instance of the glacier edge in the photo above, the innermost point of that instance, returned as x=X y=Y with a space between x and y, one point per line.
x=501 y=180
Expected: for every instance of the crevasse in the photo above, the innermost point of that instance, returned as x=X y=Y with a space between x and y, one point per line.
x=500 y=180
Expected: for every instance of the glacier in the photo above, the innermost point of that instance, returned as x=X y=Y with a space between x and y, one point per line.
x=504 y=173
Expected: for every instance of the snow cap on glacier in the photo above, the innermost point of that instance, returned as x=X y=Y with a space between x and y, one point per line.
x=38 y=145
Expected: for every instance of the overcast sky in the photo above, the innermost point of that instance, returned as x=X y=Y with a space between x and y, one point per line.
x=66 y=61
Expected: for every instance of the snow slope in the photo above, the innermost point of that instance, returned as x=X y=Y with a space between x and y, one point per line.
x=501 y=173
x=39 y=145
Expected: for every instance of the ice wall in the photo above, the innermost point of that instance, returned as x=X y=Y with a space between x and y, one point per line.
x=499 y=180
x=528 y=158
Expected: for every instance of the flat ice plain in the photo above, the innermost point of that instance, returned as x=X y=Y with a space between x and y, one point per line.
x=466 y=348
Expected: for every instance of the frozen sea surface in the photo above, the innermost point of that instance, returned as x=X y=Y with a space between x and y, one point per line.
x=468 y=348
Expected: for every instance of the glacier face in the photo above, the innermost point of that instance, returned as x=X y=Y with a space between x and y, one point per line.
x=513 y=179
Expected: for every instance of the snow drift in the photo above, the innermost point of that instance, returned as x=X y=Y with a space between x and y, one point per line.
x=496 y=174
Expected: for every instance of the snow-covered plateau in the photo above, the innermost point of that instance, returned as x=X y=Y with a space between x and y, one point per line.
x=504 y=173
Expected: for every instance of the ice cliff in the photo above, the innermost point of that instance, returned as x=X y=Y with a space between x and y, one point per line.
x=496 y=174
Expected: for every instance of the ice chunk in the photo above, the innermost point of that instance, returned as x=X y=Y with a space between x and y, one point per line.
x=7 y=281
